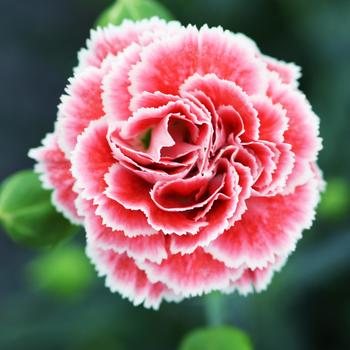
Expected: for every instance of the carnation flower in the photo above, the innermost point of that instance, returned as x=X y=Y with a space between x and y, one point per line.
x=188 y=156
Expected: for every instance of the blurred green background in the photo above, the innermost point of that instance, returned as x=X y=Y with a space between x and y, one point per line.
x=53 y=300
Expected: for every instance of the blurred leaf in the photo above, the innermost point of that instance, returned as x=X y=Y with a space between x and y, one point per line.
x=64 y=271
x=223 y=338
x=27 y=213
x=336 y=200
x=134 y=10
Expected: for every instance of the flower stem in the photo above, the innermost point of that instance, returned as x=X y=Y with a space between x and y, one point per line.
x=214 y=304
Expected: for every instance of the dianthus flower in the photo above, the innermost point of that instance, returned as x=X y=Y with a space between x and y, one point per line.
x=187 y=155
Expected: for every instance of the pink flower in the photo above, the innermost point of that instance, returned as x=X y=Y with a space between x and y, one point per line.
x=188 y=156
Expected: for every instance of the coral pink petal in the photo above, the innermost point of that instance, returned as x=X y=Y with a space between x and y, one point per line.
x=91 y=159
x=221 y=215
x=132 y=192
x=191 y=274
x=289 y=73
x=165 y=65
x=265 y=154
x=151 y=100
x=226 y=93
x=115 y=216
x=284 y=167
x=141 y=247
x=270 y=226
x=79 y=107
x=257 y=279
x=112 y=40
x=123 y=276
x=302 y=132
x=272 y=118
x=54 y=170
x=116 y=96
x=187 y=194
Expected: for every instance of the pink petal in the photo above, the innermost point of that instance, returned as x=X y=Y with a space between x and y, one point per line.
x=115 y=216
x=123 y=276
x=155 y=171
x=272 y=118
x=140 y=247
x=132 y=192
x=257 y=279
x=302 y=133
x=166 y=64
x=284 y=168
x=270 y=226
x=220 y=216
x=225 y=93
x=289 y=73
x=112 y=40
x=116 y=96
x=79 y=107
x=91 y=159
x=187 y=194
x=265 y=154
x=191 y=274
x=54 y=170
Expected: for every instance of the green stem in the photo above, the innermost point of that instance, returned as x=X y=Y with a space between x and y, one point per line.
x=214 y=309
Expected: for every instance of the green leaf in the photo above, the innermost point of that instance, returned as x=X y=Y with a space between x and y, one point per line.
x=134 y=10
x=27 y=214
x=223 y=338
x=64 y=272
x=336 y=200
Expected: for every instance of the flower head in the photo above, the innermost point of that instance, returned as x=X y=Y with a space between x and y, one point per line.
x=188 y=156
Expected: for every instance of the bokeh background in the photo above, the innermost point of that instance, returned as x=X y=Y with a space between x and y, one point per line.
x=53 y=300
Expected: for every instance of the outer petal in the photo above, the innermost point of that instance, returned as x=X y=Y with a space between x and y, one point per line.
x=270 y=226
x=272 y=118
x=116 y=95
x=54 y=170
x=191 y=274
x=257 y=279
x=112 y=40
x=140 y=247
x=91 y=159
x=302 y=132
x=289 y=73
x=82 y=105
x=115 y=216
x=167 y=63
x=124 y=277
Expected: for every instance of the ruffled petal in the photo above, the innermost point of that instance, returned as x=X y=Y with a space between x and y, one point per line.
x=123 y=276
x=91 y=160
x=132 y=192
x=112 y=40
x=270 y=226
x=166 y=64
x=257 y=279
x=150 y=247
x=55 y=174
x=191 y=274
x=289 y=73
x=81 y=105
